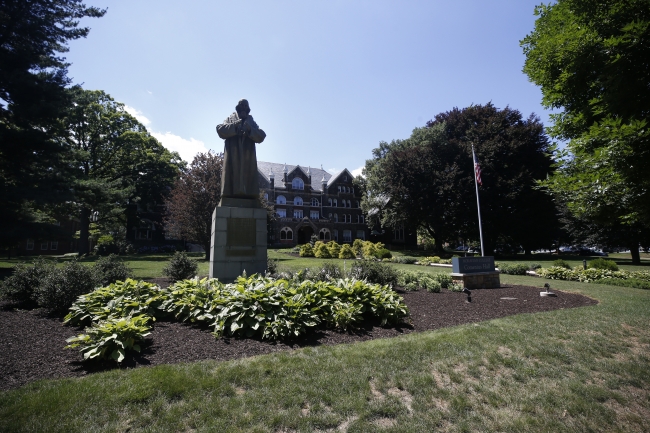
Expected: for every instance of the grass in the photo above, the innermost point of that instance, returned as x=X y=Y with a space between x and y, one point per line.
x=582 y=369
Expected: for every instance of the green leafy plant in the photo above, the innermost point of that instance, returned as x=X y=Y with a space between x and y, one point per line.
x=445 y=280
x=306 y=251
x=21 y=285
x=601 y=263
x=334 y=249
x=321 y=251
x=112 y=338
x=383 y=253
x=561 y=264
x=431 y=284
x=180 y=267
x=60 y=287
x=347 y=252
x=111 y=269
x=373 y=272
x=513 y=269
x=406 y=260
x=456 y=287
x=357 y=247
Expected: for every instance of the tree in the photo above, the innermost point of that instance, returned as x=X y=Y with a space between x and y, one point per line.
x=591 y=60
x=426 y=182
x=33 y=78
x=192 y=200
x=113 y=160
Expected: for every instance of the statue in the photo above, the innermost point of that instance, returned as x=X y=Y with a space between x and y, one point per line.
x=239 y=175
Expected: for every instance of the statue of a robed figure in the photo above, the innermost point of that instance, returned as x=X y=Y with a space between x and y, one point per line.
x=239 y=175
x=239 y=222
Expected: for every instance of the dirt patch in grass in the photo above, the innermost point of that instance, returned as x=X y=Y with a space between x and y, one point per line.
x=32 y=342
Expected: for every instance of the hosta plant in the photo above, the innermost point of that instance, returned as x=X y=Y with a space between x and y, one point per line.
x=113 y=338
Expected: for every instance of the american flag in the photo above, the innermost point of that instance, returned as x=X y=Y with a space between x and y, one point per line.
x=477 y=168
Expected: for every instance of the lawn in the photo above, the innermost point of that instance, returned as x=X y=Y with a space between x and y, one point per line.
x=583 y=369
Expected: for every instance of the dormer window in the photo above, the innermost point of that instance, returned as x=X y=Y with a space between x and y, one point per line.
x=297 y=183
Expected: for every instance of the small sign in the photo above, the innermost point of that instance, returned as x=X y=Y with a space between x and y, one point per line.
x=471 y=265
x=240 y=232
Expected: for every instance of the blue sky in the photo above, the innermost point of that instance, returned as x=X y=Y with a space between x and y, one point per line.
x=326 y=80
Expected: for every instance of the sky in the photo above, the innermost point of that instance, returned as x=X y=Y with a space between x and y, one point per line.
x=326 y=80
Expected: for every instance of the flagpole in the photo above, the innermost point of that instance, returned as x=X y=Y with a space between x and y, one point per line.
x=478 y=203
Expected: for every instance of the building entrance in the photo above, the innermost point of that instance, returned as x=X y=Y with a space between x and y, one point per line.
x=304 y=234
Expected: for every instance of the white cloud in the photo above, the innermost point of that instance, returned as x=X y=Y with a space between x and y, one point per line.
x=138 y=115
x=186 y=148
x=357 y=171
x=333 y=170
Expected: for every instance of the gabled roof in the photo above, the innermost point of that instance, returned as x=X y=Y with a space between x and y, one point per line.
x=337 y=175
x=278 y=169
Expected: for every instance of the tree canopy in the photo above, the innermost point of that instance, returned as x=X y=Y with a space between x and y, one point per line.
x=427 y=181
x=33 y=80
x=113 y=160
x=193 y=199
x=592 y=62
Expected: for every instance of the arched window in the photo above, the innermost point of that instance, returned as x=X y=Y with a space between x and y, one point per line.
x=324 y=235
x=336 y=217
x=297 y=183
x=339 y=188
x=329 y=216
x=336 y=203
x=297 y=201
x=286 y=234
x=281 y=200
x=358 y=204
x=314 y=201
x=347 y=189
x=349 y=203
x=329 y=202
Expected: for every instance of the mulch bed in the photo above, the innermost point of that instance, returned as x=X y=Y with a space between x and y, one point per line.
x=31 y=342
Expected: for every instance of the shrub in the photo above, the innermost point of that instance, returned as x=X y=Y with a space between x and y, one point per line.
x=334 y=249
x=357 y=247
x=271 y=266
x=112 y=339
x=108 y=245
x=21 y=285
x=306 y=251
x=534 y=266
x=373 y=272
x=321 y=251
x=630 y=282
x=445 y=261
x=111 y=269
x=347 y=252
x=513 y=268
x=60 y=287
x=424 y=262
x=431 y=285
x=434 y=259
x=180 y=267
x=406 y=260
x=329 y=271
x=383 y=254
x=411 y=286
x=456 y=287
x=601 y=263
x=560 y=263
x=444 y=280
x=369 y=250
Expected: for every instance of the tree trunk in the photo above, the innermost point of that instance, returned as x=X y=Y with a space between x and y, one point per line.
x=84 y=230
x=634 y=251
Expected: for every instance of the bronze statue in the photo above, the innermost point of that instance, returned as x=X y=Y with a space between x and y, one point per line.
x=239 y=175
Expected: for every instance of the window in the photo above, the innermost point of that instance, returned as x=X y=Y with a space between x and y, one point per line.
x=358 y=205
x=329 y=202
x=347 y=189
x=352 y=190
x=314 y=214
x=297 y=183
x=286 y=234
x=339 y=188
x=336 y=217
x=361 y=217
x=336 y=235
x=336 y=203
x=398 y=233
x=347 y=235
x=54 y=245
x=43 y=245
x=266 y=196
x=314 y=202
x=30 y=244
x=282 y=213
x=297 y=213
x=324 y=235
x=345 y=178
x=297 y=201
x=361 y=234
x=349 y=203
x=281 y=200
x=329 y=216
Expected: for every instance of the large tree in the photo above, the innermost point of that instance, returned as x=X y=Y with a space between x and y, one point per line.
x=592 y=61
x=33 y=80
x=427 y=180
x=113 y=160
x=193 y=199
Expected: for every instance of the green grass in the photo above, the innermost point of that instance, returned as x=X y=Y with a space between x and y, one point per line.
x=583 y=369
x=143 y=265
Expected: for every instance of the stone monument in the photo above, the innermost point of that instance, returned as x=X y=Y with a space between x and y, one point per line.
x=239 y=221
x=475 y=272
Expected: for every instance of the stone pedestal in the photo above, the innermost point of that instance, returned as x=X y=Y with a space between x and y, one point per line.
x=478 y=280
x=238 y=242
